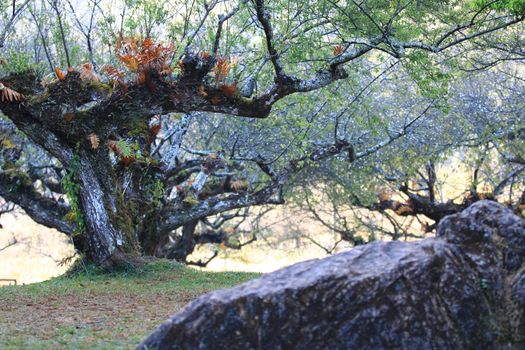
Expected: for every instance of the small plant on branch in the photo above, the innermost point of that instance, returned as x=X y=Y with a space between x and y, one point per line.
x=9 y=95
x=222 y=69
x=87 y=73
x=60 y=74
x=116 y=77
x=145 y=58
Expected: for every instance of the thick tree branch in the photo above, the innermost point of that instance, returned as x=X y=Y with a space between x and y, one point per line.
x=45 y=211
x=173 y=219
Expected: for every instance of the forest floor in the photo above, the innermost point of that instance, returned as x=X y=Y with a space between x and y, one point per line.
x=102 y=311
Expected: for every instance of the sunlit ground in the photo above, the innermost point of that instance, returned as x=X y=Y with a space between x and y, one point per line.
x=37 y=254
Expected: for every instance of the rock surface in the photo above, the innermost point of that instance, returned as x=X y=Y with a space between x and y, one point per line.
x=465 y=289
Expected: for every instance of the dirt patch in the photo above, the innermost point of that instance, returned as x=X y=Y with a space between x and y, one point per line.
x=103 y=317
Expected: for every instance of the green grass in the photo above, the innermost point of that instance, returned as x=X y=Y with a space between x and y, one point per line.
x=99 y=310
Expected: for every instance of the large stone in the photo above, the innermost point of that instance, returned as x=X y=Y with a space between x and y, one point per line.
x=465 y=289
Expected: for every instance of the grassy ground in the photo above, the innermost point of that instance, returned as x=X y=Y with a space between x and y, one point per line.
x=101 y=311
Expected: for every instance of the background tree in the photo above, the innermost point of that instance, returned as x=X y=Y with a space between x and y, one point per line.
x=448 y=167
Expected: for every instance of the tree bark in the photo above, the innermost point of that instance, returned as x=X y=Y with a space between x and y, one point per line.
x=105 y=240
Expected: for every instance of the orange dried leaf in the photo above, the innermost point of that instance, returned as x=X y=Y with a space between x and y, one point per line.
x=95 y=141
x=147 y=43
x=202 y=91
x=166 y=71
x=205 y=55
x=141 y=78
x=229 y=89
x=60 y=75
x=127 y=160
x=338 y=50
x=222 y=68
x=123 y=86
x=155 y=128
x=129 y=61
x=145 y=56
x=87 y=73
x=115 y=76
x=9 y=95
x=112 y=72
x=404 y=210
x=238 y=185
